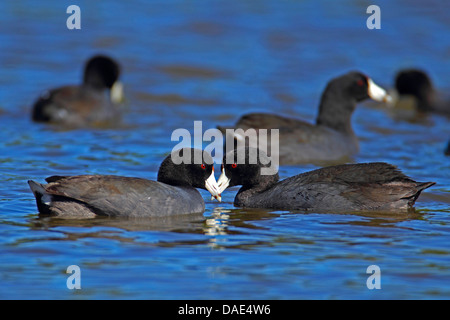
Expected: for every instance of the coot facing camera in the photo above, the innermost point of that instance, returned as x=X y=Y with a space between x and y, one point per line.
x=93 y=103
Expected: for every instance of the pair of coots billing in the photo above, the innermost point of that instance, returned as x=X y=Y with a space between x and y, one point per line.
x=331 y=139
x=95 y=102
x=350 y=187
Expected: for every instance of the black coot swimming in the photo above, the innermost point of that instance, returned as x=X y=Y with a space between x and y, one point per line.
x=107 y=195
x=331 y=138
x=348 y=187
x=93 y=103
x=417 y=84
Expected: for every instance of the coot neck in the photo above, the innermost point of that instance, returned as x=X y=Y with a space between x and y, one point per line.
x=248 y=191
x=425 y=100
x=172 y=175
x=335 y=112
x=176 y=182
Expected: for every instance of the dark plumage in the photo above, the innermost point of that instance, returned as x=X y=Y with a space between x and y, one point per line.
x=417 y=84
x=94 y=102
x=107 y=195
x=331 y=138
x=349 y=187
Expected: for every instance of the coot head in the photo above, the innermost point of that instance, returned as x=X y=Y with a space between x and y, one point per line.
x=101 y=72
x=341 y=95
x=358 y=86
x=245 y=166
x=189 y=167
x=416 y=83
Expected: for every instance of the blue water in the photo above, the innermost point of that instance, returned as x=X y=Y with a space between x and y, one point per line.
x=214 y=61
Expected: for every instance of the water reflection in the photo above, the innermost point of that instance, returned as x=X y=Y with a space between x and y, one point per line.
x=174 y=223
x=217 y=224
x=221 y=222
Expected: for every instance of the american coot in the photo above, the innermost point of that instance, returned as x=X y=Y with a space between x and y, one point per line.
x=332 y=138
x=107 y=195
x=416 y=84
x=94 y=102
x=347 y=187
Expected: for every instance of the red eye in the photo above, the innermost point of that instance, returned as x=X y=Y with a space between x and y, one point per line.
x=203 y=166
x=360 y=82
x=234 y=165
